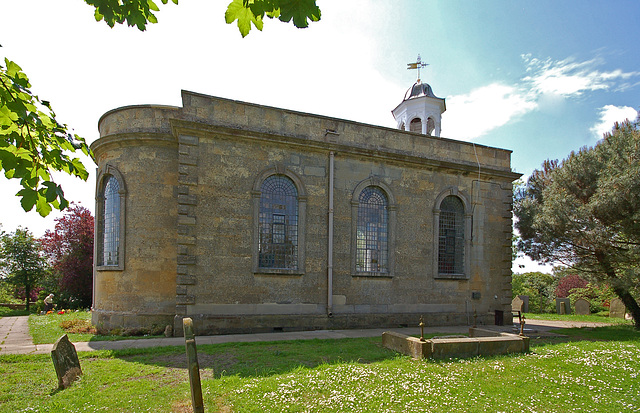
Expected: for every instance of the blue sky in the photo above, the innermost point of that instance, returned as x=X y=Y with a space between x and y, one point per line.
x=540 y=78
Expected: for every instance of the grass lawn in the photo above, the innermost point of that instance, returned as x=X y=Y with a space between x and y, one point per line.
x=349 y=375
x=580 y=318
x=46 y=329
x=616 y=332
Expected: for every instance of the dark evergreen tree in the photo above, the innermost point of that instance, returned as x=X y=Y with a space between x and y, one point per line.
x=585 y=212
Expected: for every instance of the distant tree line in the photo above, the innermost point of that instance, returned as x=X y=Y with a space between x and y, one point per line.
x=542 y=290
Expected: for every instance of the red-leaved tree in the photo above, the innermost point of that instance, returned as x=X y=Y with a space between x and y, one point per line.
x=568 y=283
x=69 y=248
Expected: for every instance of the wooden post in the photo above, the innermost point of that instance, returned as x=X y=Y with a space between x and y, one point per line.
x=193 y=366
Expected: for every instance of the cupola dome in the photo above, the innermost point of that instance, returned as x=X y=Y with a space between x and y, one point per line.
x=421 y=110
x=419 y=89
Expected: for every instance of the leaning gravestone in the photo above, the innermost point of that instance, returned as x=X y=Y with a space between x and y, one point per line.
x=65 y=361
x=582 y=307
x=617 y=308
x=563 y=306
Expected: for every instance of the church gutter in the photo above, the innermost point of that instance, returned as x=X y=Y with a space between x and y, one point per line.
x=330 y=239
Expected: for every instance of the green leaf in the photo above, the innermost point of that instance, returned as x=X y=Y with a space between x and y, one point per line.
x=12 y=68
x=153 y=6
x=7 y=116
x=98 y=16
x=299 y=11
x=42 y=206
x=80 y=170
x=29 y=198
x=237 y=11
x=50 y=191
x=43 y=174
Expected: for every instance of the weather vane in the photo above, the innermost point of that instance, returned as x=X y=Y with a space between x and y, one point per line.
x=417 y=65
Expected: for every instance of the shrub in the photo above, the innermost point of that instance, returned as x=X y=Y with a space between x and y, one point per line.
x=78 y=326
x=599 y=297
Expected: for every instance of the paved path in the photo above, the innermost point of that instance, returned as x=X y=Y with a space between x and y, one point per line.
x=15 y=338
x=14 y=335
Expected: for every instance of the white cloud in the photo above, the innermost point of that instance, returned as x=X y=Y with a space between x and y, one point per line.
x=472 y=115
x=611 y=114
x=477 y=113
x=569 y=78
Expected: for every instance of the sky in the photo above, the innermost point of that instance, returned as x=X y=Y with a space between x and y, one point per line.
x=539 y=78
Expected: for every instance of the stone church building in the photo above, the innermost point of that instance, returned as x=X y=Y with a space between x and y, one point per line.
x=250 y=218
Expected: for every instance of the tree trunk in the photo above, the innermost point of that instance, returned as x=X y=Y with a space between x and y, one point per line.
x=621 y=291
x=27 y=293
x=630 y=303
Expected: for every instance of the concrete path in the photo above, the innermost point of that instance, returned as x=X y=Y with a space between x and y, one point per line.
x=15 y=338
x=14 y=335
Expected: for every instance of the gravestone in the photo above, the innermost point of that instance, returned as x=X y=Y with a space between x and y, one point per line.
x=582 y=307
x=563 y=306
x=617 y=308
x=192 y=366
x=65 y=361
x=517 y=305
x=516 y=308
x=525 y=303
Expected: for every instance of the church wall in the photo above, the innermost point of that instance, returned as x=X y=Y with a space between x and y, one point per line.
x=225 y=282
x=143 y=292
x=225 y=218
x=190 y=220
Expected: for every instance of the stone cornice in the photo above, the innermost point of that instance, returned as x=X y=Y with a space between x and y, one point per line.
x=121 y=140
x=179 y=126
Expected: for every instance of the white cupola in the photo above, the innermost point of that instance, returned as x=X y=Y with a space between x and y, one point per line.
x=420 y=110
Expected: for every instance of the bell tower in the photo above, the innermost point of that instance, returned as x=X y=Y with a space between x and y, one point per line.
x=420 y=110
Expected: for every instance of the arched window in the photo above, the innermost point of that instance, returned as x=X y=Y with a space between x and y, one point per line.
x=372 y=231
x=278 y=224
x=415 y=125
x=451 y=236
x=109 y=229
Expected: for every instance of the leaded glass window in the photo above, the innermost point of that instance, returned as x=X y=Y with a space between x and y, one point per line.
x=110 y=223
x=451 y=236
x=372 y=231
x=278 y=222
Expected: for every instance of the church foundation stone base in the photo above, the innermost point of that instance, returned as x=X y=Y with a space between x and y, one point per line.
x=205 y=324
x=109 y=320
x=212 y=325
